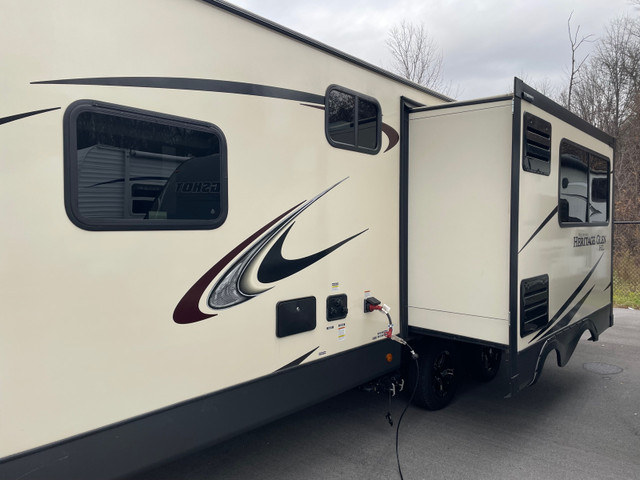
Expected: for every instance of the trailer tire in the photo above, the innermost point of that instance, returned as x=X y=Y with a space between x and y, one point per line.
x=488 y=363
x=436 y=381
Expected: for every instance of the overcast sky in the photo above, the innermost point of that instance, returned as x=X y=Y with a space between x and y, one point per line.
x=485 y=43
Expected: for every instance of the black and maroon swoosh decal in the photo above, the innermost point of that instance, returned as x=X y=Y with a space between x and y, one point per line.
x=240 y=282
x=275 y=267
x=187 y=310
x=251 y=274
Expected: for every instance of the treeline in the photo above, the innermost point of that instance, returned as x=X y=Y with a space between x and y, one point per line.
x=605 y=91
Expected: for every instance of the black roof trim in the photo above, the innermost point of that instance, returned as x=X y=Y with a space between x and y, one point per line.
x=252 y=17
x=463 y=103
x=532 y=96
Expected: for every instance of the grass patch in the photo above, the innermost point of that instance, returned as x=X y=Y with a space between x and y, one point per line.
x=625 y=293
x=626 y=299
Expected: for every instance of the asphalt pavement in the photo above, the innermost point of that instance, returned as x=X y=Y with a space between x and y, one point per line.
x=581 y=421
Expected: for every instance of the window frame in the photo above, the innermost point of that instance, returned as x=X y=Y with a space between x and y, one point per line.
x=357 y=96
x=71 y=169
x=589 y=154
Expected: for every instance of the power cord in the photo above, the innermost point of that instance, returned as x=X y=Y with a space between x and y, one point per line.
x=414 y=356
x=375 y=305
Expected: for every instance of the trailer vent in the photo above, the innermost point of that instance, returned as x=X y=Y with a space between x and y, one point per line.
x=534 y=304
x=536 y=139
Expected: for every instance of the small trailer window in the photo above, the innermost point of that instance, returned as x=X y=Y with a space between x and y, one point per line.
x=352 y=120
x=128 y=169
x=584 y=186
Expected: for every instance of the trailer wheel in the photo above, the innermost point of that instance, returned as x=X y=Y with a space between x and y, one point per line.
x=437 y=377
x=488 y=363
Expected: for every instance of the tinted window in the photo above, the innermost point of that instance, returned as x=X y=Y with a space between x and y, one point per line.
x=367 y=124
x=342 y=115
x=599 y=189
x=584 y=186
x=132 y=169
x=352 y=121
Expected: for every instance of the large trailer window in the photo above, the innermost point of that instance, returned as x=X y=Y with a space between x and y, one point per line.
x=584 y=186
x=353 y=121
x=130 y=169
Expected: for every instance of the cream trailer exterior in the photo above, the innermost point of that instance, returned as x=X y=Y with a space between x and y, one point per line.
x=509 y=227
x=204 y=209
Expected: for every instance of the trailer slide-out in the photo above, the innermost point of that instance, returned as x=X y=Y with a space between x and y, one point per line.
x=194 y=231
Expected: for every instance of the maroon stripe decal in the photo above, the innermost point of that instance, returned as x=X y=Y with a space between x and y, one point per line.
x=394 y=136
x=187 y=310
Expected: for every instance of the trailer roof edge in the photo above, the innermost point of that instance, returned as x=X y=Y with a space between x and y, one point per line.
x=534 y=97
x=228 y=7
x=464 y=103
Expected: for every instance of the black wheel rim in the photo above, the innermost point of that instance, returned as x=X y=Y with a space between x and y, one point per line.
x=443 y=373
x=490 y=359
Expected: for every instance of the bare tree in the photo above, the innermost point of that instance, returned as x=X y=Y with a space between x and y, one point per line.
x=612 y=75
x=575 y=64
x=416 y=56
x=545 y=86
x=607 y=94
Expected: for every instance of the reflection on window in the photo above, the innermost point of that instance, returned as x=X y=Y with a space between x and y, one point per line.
x=584 y=186
x=132 y=170
x=367 y=124
x=599 y=190
x=342 y=114
x=352 y=121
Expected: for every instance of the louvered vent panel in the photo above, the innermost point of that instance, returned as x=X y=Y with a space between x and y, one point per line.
x=536 y=137
x=534 y=304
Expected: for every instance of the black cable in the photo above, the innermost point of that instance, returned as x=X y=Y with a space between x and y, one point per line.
x=413 y=393
x=414 y=356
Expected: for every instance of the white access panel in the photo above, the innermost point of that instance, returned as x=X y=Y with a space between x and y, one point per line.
x=458 y=223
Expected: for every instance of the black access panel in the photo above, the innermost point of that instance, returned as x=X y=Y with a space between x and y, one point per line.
x=295 y=316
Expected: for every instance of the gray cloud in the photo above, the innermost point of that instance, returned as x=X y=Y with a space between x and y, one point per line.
x=485 y=42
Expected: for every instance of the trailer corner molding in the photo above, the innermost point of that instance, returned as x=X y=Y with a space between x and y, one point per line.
x=237 y=284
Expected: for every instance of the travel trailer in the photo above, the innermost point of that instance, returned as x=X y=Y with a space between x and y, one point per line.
x=206 y=213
